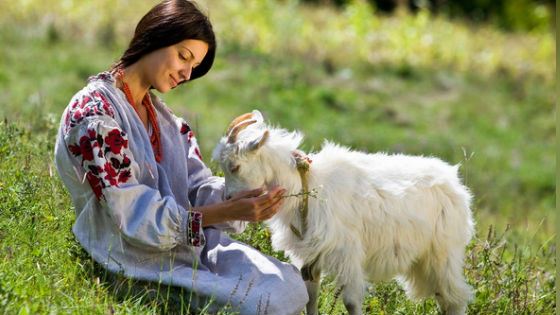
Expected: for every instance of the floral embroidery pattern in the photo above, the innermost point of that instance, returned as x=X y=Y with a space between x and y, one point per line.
x=191 y=139
x=87 y=105
x=103 y=158
x=195 y=236
x=103 y=149
x=185 y=128
x=115 y=141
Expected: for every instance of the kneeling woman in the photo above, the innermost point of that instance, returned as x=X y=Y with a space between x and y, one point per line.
x=146 y=205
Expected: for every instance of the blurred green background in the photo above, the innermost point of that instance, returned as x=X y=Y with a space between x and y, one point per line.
x=471 y=82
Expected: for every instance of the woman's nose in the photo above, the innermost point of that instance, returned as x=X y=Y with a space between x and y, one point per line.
x=186 y=73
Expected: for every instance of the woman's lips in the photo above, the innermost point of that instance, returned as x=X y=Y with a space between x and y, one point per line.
x=174 y=82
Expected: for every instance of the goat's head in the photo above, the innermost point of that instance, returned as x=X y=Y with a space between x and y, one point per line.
x=237 y=153
x=242 y=154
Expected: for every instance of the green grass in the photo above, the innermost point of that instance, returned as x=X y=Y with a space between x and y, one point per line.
x=419 y=85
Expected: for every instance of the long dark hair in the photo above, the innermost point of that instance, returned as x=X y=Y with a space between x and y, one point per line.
x=166 y=24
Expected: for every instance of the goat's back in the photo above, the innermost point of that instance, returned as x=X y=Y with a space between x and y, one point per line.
x=387 y=208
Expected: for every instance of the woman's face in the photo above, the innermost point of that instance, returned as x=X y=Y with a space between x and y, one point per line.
x=166 y=67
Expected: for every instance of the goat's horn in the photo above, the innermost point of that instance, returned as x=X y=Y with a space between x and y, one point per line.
x=237 y=120
x=235 y=130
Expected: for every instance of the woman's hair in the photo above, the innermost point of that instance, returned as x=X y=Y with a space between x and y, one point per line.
x=166 y=24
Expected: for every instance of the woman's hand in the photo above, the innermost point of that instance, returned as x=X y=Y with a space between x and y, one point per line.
x=253 y=205
x=256 y=205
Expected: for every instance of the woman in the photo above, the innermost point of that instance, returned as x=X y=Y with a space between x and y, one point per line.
x=146 y=205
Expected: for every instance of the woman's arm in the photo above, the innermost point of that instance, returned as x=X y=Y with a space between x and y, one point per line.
x=102 y=157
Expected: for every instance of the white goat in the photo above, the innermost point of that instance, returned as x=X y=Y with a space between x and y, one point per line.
x=375 y=216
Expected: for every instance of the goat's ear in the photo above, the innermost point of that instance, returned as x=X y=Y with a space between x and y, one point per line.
x=217 y=152
x=256 y=115
x=259 y=142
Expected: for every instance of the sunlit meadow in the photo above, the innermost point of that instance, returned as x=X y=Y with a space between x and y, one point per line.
x=417 y=84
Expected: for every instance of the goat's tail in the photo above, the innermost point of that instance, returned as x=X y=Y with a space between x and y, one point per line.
x=455 y=220
x=454 y=230
x=440 y=271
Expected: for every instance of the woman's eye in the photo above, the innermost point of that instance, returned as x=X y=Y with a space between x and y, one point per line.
x=234 y=169
x=182 y=57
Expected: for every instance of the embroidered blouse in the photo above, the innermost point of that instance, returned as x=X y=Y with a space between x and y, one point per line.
x=105 y=158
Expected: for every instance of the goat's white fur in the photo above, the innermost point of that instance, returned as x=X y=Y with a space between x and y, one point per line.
x=376 y=216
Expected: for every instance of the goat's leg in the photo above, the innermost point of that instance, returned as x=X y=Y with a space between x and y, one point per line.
x=453 y=292
x=453 y=295
x=450 y=309
x=347 y=262
x=313 y=292
x=312 y=275
x=352 y=297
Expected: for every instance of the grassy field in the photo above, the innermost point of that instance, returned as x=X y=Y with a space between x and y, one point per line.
x=420 y=84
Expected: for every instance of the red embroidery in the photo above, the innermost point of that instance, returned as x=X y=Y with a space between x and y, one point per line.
x=86 y=148
x=124 y=176
x=115 y=141
x=185 y=128
x=197 y=152
x=111 y=174
x=96 y=184
x=87 y=105
x=195 y=236
x=103 y=158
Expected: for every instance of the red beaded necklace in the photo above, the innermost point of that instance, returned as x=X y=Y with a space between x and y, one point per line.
x=152 y=118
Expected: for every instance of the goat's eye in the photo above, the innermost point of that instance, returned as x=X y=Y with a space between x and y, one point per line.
x=234 y=168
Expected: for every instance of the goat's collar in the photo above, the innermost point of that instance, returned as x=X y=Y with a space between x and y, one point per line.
x=303 y=163
x=309 y=271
